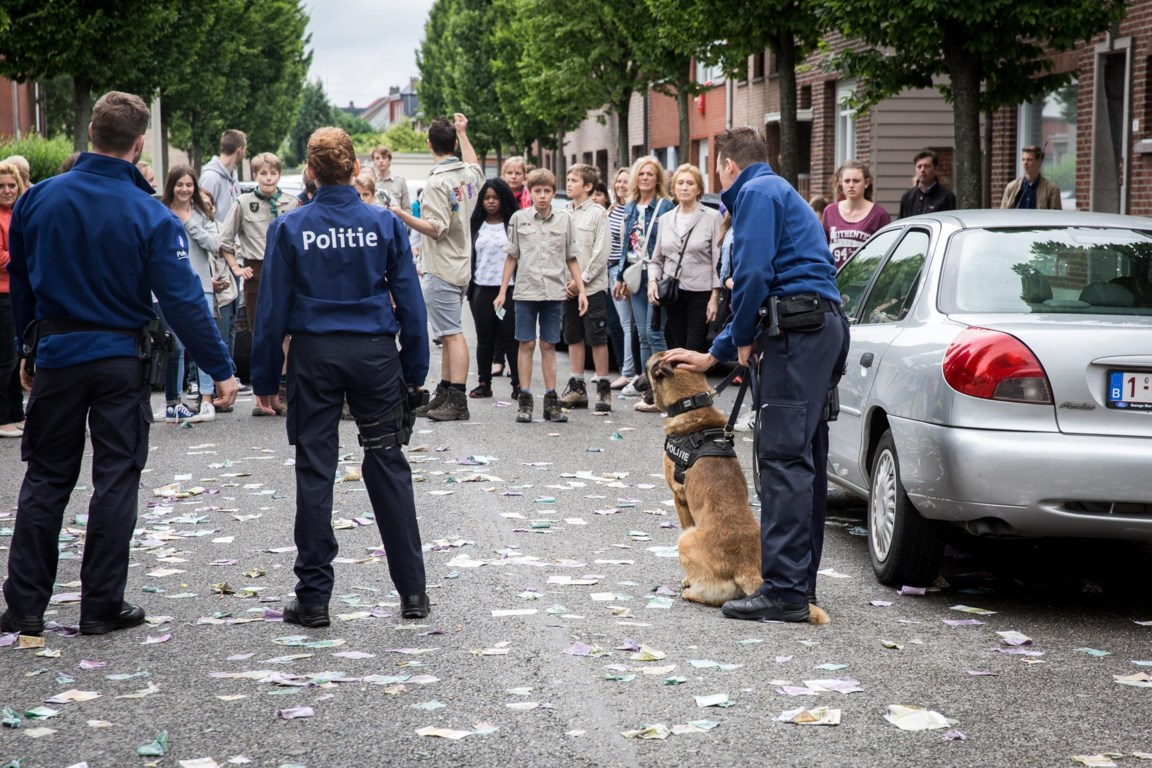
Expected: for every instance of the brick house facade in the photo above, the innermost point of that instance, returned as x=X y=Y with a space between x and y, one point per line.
x=17 y=109
x=1097 y=132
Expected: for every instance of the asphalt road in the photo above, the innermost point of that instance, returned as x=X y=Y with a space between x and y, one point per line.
x=488 y=670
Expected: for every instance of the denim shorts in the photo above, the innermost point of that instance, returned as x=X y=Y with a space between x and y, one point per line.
x=444 y=302
x=550 y=314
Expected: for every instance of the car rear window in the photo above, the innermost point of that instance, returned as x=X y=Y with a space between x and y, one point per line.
x=1065 y=270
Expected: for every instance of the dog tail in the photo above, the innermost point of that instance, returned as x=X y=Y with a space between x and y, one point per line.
x=817 y=615
x=750 y=580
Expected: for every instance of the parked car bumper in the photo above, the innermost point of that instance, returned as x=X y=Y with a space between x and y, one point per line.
x=1027 y=483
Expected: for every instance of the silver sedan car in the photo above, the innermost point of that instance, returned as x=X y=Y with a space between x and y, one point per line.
x=999 y=380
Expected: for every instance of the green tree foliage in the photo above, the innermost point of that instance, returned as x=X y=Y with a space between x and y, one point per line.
x=401 y=137
x=994 y=53
x=717 y=32
x=455 y=60
x=45 y=156
x=97 y=44
x=314 y=112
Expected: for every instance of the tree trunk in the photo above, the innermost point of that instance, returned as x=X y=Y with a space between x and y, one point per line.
x=81 y=112
x=789 y=165
x=623 y=149
x=682 y=109
x=162 y=161
x=965 y=74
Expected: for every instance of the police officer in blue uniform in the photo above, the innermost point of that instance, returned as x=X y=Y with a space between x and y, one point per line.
x=786 y=320
x=339 y=277
x=86 y=248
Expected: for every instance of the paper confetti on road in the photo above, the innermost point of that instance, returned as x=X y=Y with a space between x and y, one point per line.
x=916 y=718
x=814 y=716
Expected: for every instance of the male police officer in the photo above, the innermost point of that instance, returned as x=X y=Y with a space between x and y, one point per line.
x=339 y=277
x=83 y=272
x=781 y=262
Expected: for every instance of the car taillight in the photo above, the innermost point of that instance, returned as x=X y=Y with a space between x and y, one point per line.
x=995 y=366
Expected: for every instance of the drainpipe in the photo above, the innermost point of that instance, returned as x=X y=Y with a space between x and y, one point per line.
x=15 y=110
x=729 y=100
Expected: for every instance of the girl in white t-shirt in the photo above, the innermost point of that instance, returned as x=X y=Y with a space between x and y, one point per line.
x=489 y=237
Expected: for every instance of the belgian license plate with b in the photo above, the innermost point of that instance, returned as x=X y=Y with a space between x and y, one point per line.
x=1130 y=390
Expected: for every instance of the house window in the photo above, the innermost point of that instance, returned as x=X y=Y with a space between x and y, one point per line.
x=845 y=123
x=758 y=65
x=709 y=74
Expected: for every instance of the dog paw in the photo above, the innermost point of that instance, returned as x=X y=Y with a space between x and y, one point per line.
x=685 y=583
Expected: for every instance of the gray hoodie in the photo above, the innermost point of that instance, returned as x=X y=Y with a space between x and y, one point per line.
x=222 y=184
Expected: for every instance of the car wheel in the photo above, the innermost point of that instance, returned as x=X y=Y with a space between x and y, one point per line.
x=906 y=549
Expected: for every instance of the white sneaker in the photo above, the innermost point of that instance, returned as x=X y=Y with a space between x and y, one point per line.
x=207 y=413
x=630 y=389
x=747 y=424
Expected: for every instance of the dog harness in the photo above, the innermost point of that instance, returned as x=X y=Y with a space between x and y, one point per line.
x=684 y=450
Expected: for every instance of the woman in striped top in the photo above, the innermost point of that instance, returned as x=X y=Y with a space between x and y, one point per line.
x=619 y=312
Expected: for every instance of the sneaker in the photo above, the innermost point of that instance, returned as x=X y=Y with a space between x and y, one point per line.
x=178 y=413
x=552 y=409
x=245 y=389
x=439 y=397
x=575 y=395
x=483 y=389
x=646 y=404
x=630 y=388
x=525 y=403
x=455 y=408
x=621 y=382
x=207 y=413
x=746 y=424
x=603 y=396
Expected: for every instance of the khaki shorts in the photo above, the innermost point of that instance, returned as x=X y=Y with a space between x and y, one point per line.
x=444 y=302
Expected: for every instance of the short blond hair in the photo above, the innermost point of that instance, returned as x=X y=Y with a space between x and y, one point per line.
x=541 y=177
x=366 y=182
x=694 y=172
x=265 y=159
x=633 y=184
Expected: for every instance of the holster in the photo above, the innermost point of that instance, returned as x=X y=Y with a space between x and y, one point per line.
x=153 y=344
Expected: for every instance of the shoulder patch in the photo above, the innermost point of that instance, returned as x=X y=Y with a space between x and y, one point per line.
x=254 y=206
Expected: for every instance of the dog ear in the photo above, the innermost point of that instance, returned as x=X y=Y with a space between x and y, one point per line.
x=662 y=369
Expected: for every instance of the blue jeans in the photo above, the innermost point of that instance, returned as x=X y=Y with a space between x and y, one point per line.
x=623 y=315
x=549 y=313
x=651 y=341
x=174 y=375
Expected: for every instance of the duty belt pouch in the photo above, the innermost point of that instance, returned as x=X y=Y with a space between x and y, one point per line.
x=831 y=405
x=803 y=314
x=154 y=346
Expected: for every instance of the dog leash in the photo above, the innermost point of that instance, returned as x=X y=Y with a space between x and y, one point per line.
x=746 y=376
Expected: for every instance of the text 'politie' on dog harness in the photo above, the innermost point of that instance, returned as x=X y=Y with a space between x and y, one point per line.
x=685 y=450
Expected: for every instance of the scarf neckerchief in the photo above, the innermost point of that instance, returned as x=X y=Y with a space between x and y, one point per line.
x=272 y=199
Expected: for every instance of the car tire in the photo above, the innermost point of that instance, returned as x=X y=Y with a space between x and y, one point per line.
x=906 y=549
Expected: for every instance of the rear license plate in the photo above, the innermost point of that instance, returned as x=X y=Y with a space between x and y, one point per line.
x=1130 y=389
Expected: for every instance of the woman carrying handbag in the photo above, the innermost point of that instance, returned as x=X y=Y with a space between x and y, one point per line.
x=683 y=279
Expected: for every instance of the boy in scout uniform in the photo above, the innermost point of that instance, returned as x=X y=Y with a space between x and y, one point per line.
x=592 y=242
x=540 y=247
x=243 y=236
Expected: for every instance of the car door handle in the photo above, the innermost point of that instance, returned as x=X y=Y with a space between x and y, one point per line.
x=866 y=360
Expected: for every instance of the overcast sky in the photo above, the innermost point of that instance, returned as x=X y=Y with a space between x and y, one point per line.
x=361 y=47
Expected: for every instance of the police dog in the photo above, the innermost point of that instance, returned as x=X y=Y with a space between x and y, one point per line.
x=720 y=540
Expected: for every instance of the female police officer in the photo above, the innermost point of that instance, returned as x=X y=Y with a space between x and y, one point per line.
x=339 y=277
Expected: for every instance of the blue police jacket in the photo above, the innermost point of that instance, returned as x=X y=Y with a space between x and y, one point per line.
x=334 y=266
x=778 y=249
x=89 y=245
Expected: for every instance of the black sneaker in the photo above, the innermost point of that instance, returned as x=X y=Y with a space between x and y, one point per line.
x=525 y=403
x=761 y=607
x=439 y=397
x=552 y=408
x=414 y=606
x=575 y=394
x=603 y=396
x=129 y=616
x=25 y=625
x=483 y=389
x=312 y=616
